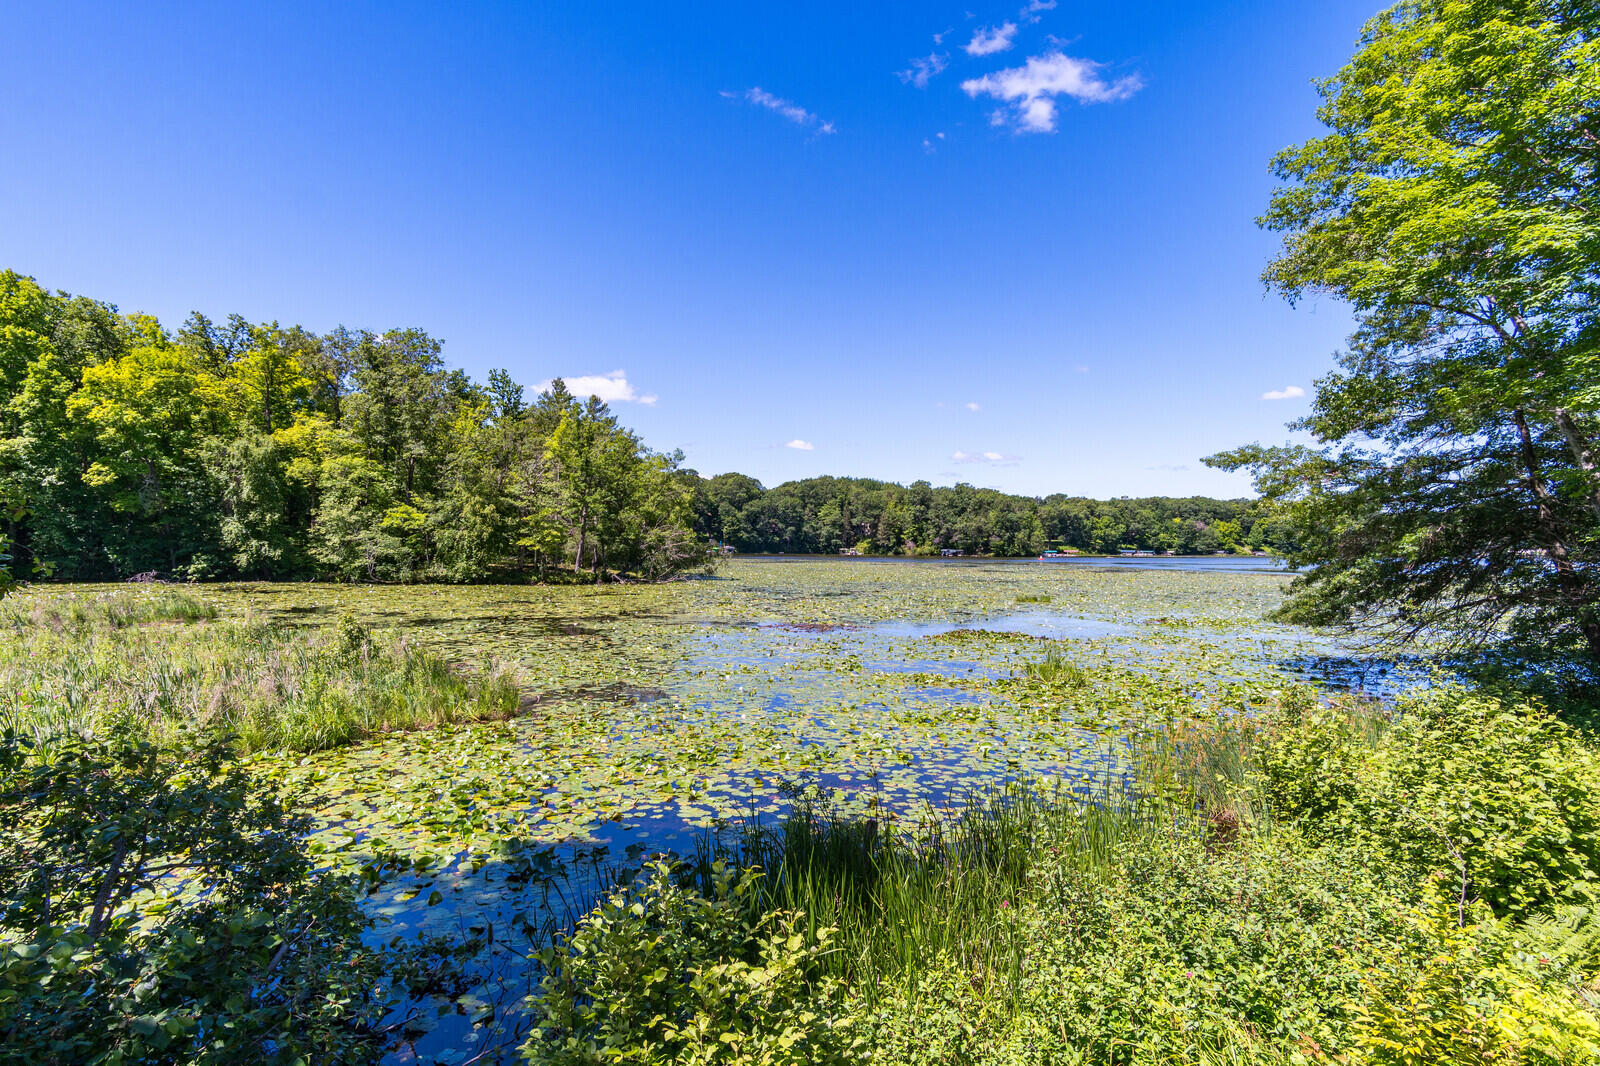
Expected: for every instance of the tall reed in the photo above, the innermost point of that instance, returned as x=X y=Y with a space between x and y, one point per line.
x=97 y=663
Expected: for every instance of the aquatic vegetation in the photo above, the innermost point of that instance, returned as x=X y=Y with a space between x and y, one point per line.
x=98 y=664
x=630 y=720
x=1066 y=930
x=106 y=608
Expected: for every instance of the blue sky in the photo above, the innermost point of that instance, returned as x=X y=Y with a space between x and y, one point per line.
x=1028 y=261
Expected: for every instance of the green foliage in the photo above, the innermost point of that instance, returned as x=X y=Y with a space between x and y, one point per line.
x=825 y=514
x=110 y=953
x=1452 y=203
x=265 y=451
x=664 y=974
x=1167 y=953
x=1497 y=795
x=1482 y=990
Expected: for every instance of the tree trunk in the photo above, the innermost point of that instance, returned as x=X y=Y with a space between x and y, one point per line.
x=583 y=532
x=1567 y=576
x=1582 y=453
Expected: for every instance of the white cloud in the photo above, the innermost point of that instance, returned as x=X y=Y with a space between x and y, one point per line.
x=787 y=108
x=988 y=41
x=1030 y=13
x=973 y=407
x=924 y=70
x=1031 y=89
x=610 y=388
x=996 y=458
x=1292 y=392
x=801 y=445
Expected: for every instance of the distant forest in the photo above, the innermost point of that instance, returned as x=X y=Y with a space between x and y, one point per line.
x=826 y=515
x=254 y=450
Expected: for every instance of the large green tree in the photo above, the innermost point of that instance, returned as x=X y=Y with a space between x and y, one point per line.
x=1452 y=487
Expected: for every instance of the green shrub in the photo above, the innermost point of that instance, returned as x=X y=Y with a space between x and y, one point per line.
x=1503 y=796
x=1481 y=989
x=662 y=974
x=1311 y=759
x=107 y=957
x=1173 y=954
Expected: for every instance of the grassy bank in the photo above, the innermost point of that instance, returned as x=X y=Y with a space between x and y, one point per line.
x=160 y=663
x=1316 y=883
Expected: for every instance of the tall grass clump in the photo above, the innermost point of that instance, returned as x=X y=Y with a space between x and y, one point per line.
x=87 y=664
x=899 y=898
x=75 y=613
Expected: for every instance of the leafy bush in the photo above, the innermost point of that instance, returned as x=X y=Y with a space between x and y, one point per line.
x=1482 y=990
x=1312 y=757
x=158 y=909
x=663 y=974
x=1500 y=795
x=1172 y=954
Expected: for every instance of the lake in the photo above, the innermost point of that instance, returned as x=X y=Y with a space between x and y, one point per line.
x=658 y=716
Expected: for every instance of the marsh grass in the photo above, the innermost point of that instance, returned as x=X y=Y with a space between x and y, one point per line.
x=79 y=612
x=1057 y=668
x=1033 y=597
x=898 y=899
x=96 y=664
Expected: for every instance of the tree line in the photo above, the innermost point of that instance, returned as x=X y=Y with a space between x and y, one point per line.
x=827 y=515
x=255 y=450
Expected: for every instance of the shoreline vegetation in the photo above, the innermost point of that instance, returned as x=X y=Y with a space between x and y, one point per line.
x=1275 y=876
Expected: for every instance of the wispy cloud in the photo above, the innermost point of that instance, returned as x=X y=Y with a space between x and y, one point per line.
x=801 y=445
x=1031 y=13
x=610 y=388
x=1172 y=468
x=1291 y=392
x=924 y=70
x=993 y=458
x=787 y=108
x=989 y=40
x=1031 y=89
x=974 y=407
